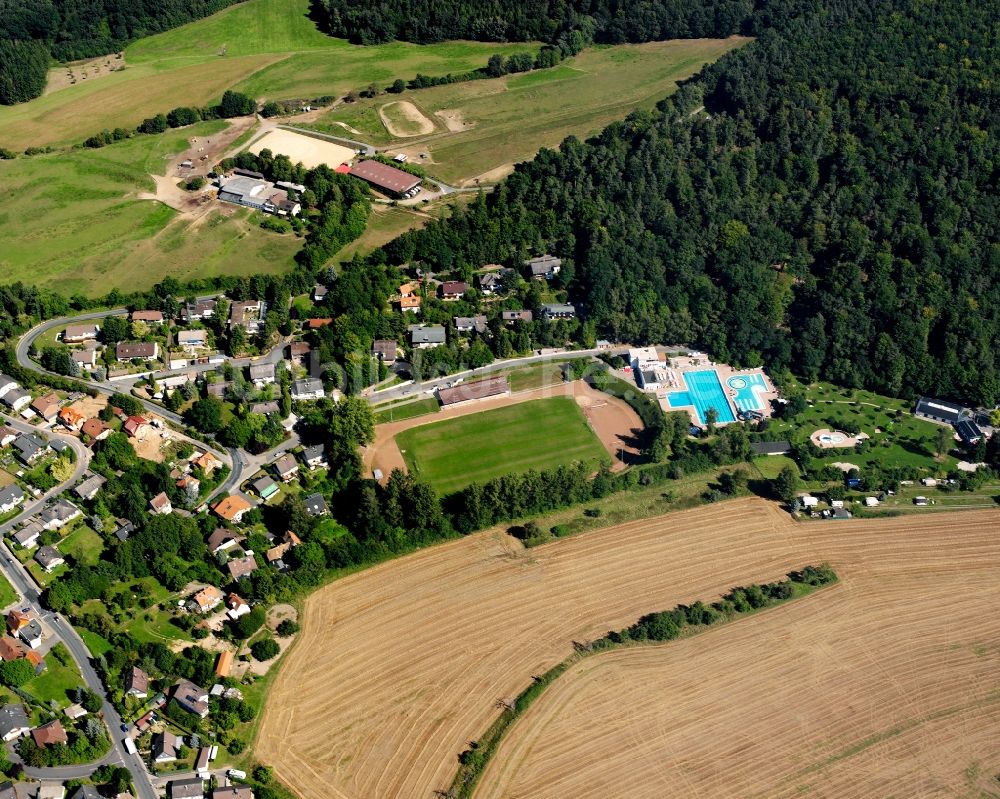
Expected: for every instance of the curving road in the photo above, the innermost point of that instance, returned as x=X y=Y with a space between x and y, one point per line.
x=26 y=588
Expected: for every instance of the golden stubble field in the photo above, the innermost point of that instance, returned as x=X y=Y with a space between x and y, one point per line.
x=886 y=684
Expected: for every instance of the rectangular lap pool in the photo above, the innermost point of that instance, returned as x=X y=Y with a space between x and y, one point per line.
x=704 y=391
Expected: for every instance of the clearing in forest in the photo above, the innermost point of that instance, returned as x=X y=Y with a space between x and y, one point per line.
x=541 y=434
x=884 y=684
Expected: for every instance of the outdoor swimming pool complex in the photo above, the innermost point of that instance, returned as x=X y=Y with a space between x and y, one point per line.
x=746 y=397
x=704 y=391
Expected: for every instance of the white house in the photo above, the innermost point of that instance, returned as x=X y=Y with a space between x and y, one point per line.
x=808 y=501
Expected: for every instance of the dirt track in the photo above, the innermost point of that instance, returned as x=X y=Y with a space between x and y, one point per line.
x=612 y=420
x=401 y=665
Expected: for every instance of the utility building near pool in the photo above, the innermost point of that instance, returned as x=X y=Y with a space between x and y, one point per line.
x=386 y=178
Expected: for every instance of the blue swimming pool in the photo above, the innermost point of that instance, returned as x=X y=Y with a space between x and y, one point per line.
x=747 y=388
x=704 y=391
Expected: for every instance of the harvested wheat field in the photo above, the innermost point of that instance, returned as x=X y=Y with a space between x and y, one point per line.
x=403 y=664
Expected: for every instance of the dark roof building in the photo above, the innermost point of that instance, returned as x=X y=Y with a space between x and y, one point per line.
x=561 y=310
x=968 y=431
x=192 y=788
x=384 y=349
x=939 y=410
x=316 y=505
x=384 y=177
x=771 y=447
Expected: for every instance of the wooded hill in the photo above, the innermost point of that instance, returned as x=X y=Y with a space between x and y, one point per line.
x=832 y=209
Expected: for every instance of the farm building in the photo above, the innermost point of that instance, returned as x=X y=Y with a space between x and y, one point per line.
x=476 y=390
x=968 y=431
x=259 y=194
x=386 y=178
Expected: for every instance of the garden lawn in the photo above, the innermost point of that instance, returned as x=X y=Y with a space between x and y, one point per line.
x=97 y=644
x=538 y=435
x=83 y=545
x=158 y=630
x=56 y=682
x=7 y=594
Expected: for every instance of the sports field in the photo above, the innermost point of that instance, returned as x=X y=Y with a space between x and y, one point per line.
x=884 y=685
x=541 y=434
x=268 y=48
x=78 y=227
x=484 y=127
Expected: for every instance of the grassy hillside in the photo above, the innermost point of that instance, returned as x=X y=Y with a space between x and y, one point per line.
x=266 y=47
x=77 y=226
x=496 y=123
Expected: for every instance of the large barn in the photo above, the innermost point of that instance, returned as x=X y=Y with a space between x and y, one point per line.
x=386 y=178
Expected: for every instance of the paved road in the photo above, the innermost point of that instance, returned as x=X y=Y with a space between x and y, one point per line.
x=25 y=586
x=427 y=386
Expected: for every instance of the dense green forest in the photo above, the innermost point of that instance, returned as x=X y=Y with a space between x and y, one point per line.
x=611 y=21
x=33 y=30
x=832 y=208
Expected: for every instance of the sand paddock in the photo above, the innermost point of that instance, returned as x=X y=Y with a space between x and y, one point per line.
x=310 y=151
x=403 y=119
x=613 y=421
x=889 y=678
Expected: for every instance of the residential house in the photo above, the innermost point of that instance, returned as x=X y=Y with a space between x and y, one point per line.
x=409 y=290
x=85 y=358
x=218 y=389
x=160 y=504
x=286 y=467
x=7 y=436
x=31 y=634
x=544 y=267
x=191 y=788
x=189 y=485
x=233 y=792
x=560 y=310
x=59 y=514
x=85 y=792
x=265 y=408
x=10 y=497
x=205 y=461
x=88 y=489
x=123 y=529
x=7 y=383
x=265 y=487
x=10 y=649
x=149 y=317
x=222 y=539
x=16 y=619
x=8 y=791
x=50 y=791
x=232 y=508
x=48 y=558
x=453 y=289
x=198 y=311
x=13 y=722
x=58 y=446
x=16 y=399
x=314 y=457
x=136 y=350
x=36 y=660
x=298 y=352
x=95 y=429
x=275 y=556
x=509 y=317
x=51 y=733
x=491 y=283
x=248 y=314
x=48 y=406
x=77 y=334
x=166 y=747
x=205 y=600
x=319 y=292
x=410 y=304
x=316 y=505
x=262 y=374
x=241 y=568
x=466 y=324
x=237 y=606
x=317 y=323
x=137 y=683
x=191 y=697
x=29 y=448
x=204 y=754
x=384 y=350
x=939 y=410
x=27 y=536
x=192 y=340
x=136 y=427
x=423 y=337
x=309 y=388
x=71 y=419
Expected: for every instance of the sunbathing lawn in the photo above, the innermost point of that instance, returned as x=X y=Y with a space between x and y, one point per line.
x=532 y=435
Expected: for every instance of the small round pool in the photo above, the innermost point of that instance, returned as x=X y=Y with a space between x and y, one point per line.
x=737 y=382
